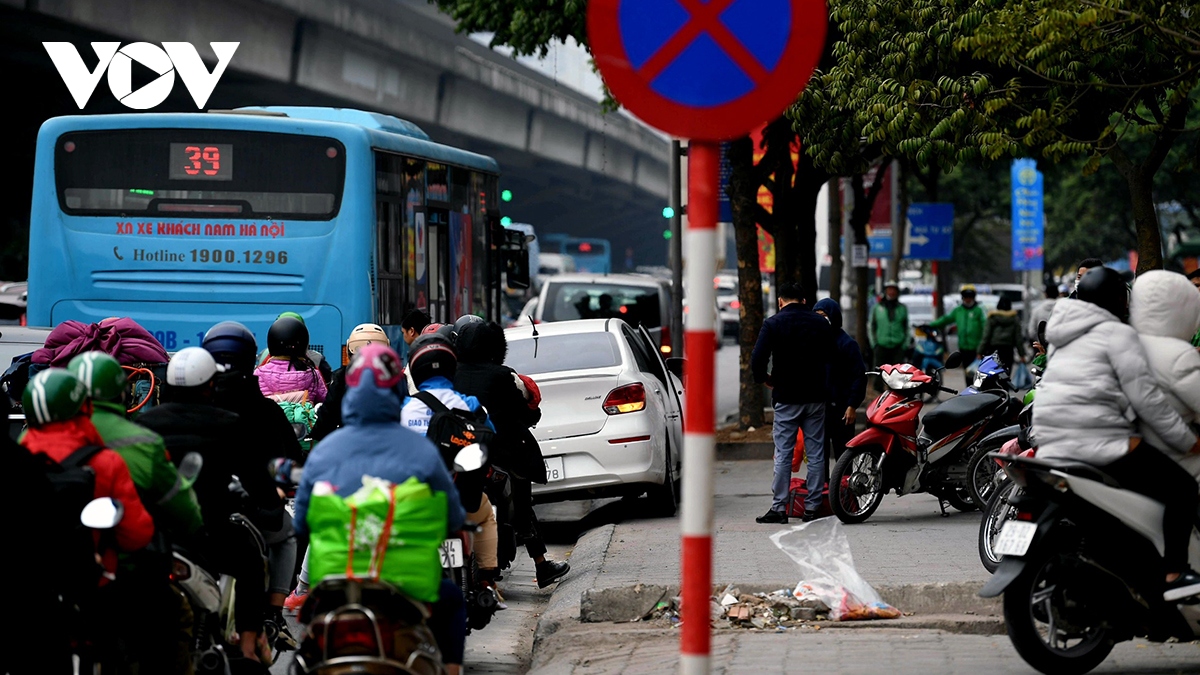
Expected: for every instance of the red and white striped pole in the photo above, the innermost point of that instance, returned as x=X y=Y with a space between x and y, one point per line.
x=696 y=519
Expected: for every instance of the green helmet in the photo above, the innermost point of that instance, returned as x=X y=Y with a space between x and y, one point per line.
x=53 y=395
x=290 y=315
x=101 y=374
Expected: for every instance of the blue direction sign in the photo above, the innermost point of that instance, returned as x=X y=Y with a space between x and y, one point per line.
x=879 y=238
x=930 y=231
x=1027 y=216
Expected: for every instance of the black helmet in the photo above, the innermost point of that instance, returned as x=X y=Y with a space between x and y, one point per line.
x=231 y=344
x=1104 y=287
x=431 y=355
x=464 y=321
x=287 y=337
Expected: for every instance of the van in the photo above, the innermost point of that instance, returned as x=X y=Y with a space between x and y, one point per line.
x=638 y=299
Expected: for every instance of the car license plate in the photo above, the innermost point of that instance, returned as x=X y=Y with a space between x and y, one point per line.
x=452 y=554
x=554 y=469
x=1015 y=538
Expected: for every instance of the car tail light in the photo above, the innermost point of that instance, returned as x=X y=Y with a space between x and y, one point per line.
x=735 y=304
x=666 y=339
x=627 y=399
x=180 y=571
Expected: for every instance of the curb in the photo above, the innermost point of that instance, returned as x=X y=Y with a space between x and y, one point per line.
x=742 y=451
x=586 y=559
x=945 y=604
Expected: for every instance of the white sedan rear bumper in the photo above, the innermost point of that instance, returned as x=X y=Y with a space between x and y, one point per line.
x=595 y=463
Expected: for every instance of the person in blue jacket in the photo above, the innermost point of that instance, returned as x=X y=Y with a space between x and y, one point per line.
x=373 y=442
x=847 y=381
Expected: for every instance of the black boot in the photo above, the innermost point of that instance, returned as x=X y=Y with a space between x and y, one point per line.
x=550 y=571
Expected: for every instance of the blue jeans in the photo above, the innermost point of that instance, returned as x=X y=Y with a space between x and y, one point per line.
x=790 y=418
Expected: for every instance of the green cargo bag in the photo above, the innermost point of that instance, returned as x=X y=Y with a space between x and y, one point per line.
x=396 y=532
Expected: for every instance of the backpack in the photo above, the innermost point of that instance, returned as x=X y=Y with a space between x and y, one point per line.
x=453 y=430
x=73 y=486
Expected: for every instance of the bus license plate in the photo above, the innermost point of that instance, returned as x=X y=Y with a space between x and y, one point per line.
x=452 y=554
x=1015 y=538
x=554 y=469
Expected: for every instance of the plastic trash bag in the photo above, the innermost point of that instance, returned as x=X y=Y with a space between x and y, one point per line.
x=827 y=573
x=1021 y=377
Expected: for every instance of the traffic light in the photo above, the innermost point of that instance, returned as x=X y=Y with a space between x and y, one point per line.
x=668 y=212
x=506 y=195
x=667 y=234
x=506 y=221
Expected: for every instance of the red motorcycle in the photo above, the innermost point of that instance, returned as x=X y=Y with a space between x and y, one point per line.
x=900 y=451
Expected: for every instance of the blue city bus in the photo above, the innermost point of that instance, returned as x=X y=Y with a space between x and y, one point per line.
x=591 y=255
x=182 y=220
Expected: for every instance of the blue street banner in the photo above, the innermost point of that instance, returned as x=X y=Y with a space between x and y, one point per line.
x=1028 y=217
x=930 y=231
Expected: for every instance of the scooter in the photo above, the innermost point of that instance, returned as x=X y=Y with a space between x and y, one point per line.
x=1082 y=567
x=458 y=555
x=891 y=454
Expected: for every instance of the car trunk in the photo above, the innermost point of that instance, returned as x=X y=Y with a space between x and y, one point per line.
x=572 y=402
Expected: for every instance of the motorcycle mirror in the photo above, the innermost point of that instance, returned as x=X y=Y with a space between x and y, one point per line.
x=102 y=514
x=955 y=360
x=1041 y=333
x=300 y=429
x=470 y=458
x=190 y=466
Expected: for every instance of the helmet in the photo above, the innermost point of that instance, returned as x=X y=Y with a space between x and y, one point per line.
x=968 y=291
x=464 y=321
x=1104 y=287
x=101 y=374
x=231 y=344
x=382 y=361
x=892 y=283
x=431 y=355
x=433 y=328
x=288 y=337
x=290 y=315
x=53 y=395
x=191 y=367
x=365 y=334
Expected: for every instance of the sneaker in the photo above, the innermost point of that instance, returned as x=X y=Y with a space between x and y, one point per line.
x=284 y=641
x=550 y=571
x=809 y=516
x=1186 y=586
x=773 y=517
x=294 y=601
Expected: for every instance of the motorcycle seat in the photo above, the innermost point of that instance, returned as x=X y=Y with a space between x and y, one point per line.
x=960 y=411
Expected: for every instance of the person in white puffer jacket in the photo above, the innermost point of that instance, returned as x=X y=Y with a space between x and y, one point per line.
x=1097 y=387
x=1165 y=310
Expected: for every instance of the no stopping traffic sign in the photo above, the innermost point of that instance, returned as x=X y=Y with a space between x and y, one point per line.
x=706 y=70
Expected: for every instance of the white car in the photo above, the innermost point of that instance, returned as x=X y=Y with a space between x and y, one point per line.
x=612 y=410
x=728 y=306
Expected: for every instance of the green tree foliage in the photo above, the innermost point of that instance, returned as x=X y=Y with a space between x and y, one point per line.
x=527 y=26
x=1091 y=79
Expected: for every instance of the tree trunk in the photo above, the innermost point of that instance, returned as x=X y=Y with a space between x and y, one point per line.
x=835 y=241
x=1145 y=219
x=743 y=197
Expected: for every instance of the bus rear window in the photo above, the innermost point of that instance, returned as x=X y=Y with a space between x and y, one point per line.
x=199 y=172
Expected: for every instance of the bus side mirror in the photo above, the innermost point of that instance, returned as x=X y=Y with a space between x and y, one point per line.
x=514 y=253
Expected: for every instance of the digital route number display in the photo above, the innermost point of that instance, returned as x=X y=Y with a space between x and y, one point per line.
x=201 y=161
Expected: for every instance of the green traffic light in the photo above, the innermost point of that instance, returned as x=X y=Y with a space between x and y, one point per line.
x=668 y=212
x=666 y=234
x=506 y=195
x=506 y=221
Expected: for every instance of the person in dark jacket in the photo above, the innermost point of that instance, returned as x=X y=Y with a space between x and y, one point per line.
x=188 y=421
x=1002 y=334
x=801 y=345
x=329 y=417
x=847 y=381
x=481 y=373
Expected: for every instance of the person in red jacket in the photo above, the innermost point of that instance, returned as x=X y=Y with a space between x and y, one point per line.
x=58 y=413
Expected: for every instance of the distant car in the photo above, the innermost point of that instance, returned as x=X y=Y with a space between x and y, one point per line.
x=638 y=299
x=728 y=306
x=13 y=296
x=553 y=264
x=920 y=309
x=612 y=410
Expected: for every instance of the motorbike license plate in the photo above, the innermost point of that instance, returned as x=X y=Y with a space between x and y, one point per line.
x=554 y=469
x=451 y=553
x=1015 y=538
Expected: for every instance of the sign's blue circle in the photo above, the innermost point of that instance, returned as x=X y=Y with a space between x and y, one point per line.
x=701 y=72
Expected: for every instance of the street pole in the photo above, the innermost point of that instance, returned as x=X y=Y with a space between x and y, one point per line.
x=937 y=293
x=676 y=257
x=696 y=519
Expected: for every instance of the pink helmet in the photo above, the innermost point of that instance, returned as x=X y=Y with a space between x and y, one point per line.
x=382 y=361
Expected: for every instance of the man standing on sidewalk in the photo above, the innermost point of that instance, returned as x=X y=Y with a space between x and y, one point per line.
x=887 y=329
x=800 y=345
x=847 y=382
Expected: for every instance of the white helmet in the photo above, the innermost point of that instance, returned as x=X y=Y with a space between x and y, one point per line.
x=191 y=367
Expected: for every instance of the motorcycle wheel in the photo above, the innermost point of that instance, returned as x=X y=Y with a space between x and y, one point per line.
x=856 y=485
x=981 y=474
x=998 y=511
x=1038 y=614
x=960 y=499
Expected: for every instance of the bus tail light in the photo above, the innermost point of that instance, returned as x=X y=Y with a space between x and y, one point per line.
x=626 y=399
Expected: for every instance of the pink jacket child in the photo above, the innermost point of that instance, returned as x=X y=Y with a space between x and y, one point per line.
x=282 y=378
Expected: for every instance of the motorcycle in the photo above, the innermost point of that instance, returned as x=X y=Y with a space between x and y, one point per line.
x=458 y=555
x=93 y=653
x=1082 y=567
x=890 y=454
